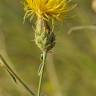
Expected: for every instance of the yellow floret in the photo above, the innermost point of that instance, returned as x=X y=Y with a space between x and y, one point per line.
x=54 y=9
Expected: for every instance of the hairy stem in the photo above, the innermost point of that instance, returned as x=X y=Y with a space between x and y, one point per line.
x=41 y=72
x=16 y=76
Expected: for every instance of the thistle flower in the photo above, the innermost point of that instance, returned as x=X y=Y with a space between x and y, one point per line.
x=54 y=9
x=44 y=11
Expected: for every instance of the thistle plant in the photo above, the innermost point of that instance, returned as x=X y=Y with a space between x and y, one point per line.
x=45 y=11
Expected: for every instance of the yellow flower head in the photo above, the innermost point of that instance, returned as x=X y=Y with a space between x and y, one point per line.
x=54 y=9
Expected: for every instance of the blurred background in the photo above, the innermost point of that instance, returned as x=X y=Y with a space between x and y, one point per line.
x=71 y=66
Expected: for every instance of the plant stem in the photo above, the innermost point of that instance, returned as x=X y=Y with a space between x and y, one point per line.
x=16 y=76
x=91 y=27
x=41 y=72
